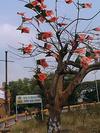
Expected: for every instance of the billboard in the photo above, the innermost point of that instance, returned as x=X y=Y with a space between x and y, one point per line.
x=26 y=99
x=2 y=94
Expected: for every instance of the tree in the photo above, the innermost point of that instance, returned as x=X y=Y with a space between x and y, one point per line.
x=71 y=48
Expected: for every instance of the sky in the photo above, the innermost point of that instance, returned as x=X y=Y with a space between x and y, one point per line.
x=10 y=37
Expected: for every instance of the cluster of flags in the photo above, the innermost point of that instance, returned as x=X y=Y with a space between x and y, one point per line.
x=82 y=5
x=86 y=57
x=82 y=37
x=44 y=15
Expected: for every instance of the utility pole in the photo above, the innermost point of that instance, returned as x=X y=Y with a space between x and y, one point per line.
x=7 y=92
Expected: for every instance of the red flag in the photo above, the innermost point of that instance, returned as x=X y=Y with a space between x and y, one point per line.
x=49 y=13
x=42 y=76
x=80 y=51
x=24 y=19
x=81 y=37
x=35 y=3
x=25 y=30
x=90 y=38
x=21 y=13
x=40 y=18
x=43 y=6
x=28 y=49
x=85 y=61
x=44 y=35
x=47 y=46
x=86 y=5
x=68 y=1
x=53 y=19
x=62 y=24
x=97 y=53
x=97 y=29
x=42 y=62
x=41 y=1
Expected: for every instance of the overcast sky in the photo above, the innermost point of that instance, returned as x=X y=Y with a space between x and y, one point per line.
x=9 y=36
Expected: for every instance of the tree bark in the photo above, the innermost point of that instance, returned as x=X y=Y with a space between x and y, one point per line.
x=54 y=121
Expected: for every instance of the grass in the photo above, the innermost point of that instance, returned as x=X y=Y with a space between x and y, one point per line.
x=79 y=121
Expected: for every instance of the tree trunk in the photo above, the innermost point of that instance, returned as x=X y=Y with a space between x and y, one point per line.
x=54 y=121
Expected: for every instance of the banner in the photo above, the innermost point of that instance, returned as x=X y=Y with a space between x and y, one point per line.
x=26 y=99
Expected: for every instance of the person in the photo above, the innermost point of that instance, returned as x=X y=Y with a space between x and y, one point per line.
x=26 y=114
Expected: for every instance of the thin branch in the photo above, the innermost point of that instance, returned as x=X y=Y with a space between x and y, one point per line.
x=84 y=19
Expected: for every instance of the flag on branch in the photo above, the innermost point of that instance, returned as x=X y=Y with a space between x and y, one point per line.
x=44 y=35
x=69 y=1
x=42 y=62
x=52 y=19
x=86 y=5
x=28 y=49
x=47 y=46
x=23 y=29
x=24 y=19
x=42 y=76
x=85 y=61
x=61 y=24
x=21 y=13
x=80 y=51
x=40 y=18
x=97 y=29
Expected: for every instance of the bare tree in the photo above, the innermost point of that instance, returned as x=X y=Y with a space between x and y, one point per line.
x=68 y=46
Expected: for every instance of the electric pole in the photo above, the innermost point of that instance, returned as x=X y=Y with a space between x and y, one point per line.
x=7 y=92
